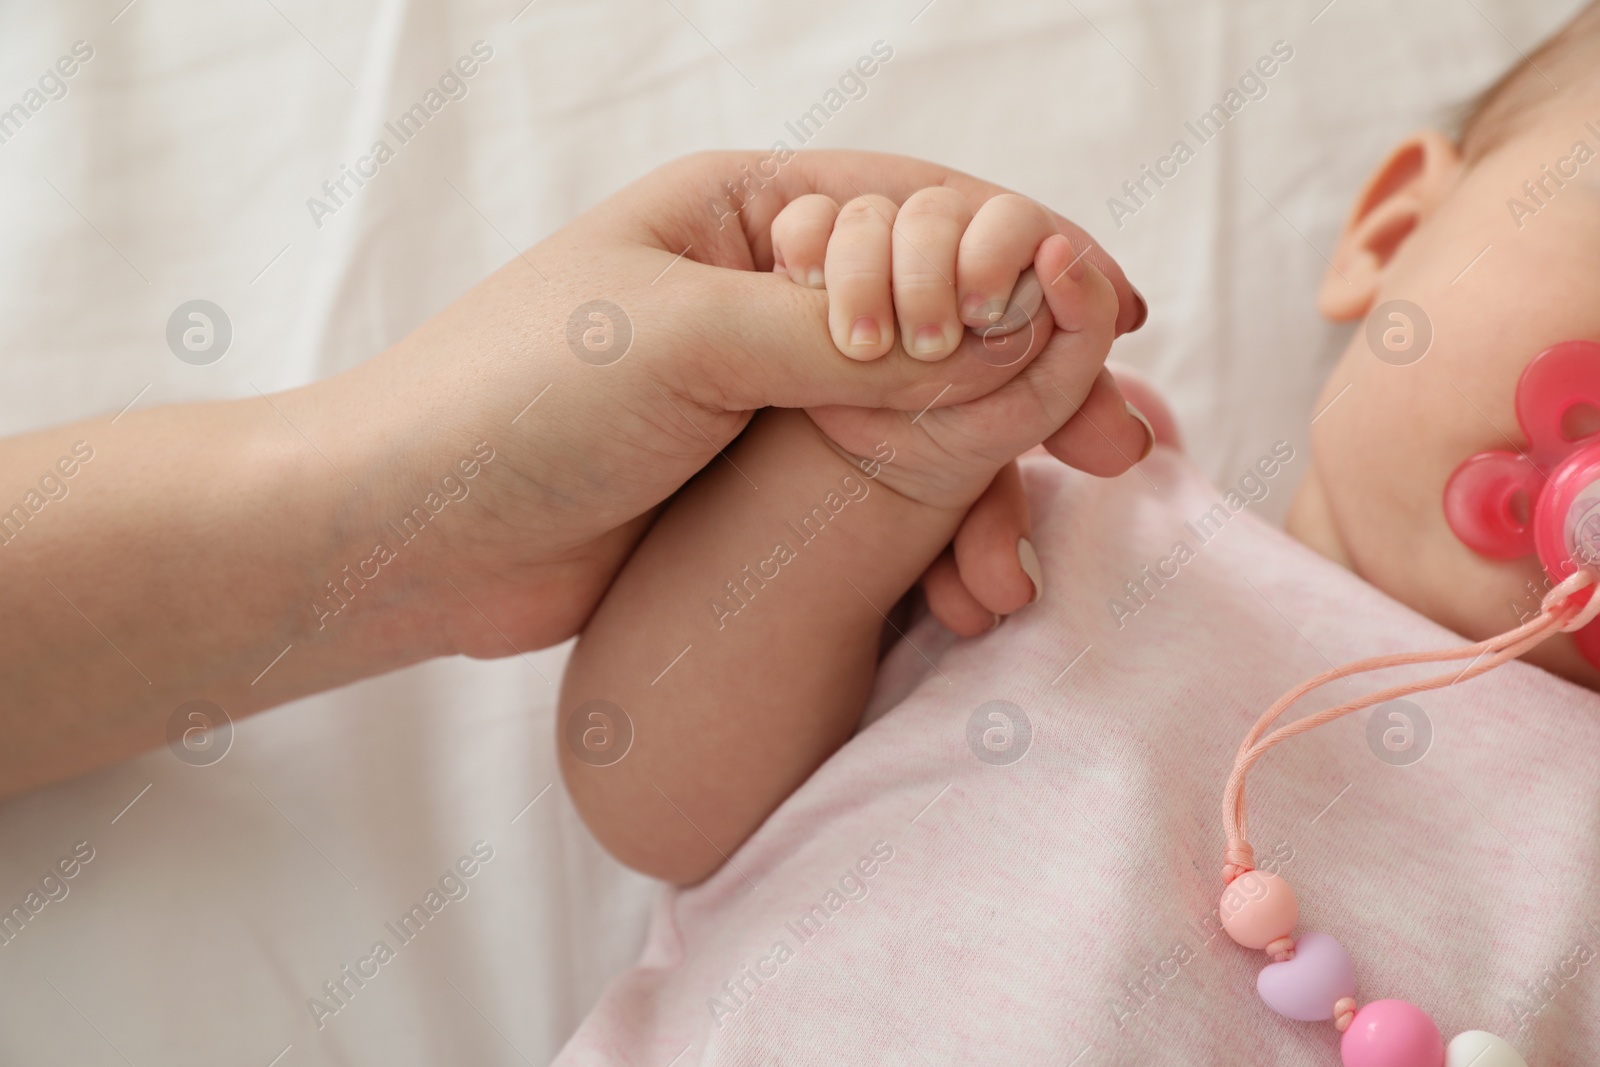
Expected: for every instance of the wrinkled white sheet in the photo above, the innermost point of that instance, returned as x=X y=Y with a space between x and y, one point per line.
x=178 y=165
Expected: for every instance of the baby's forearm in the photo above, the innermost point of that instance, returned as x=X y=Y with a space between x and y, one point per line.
x=740 y=640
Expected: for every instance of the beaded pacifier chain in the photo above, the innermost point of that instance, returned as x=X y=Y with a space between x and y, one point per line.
x=1312 y=978
x=1544 y=499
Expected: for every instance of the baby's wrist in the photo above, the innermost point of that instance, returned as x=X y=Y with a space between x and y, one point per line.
x=916 y=493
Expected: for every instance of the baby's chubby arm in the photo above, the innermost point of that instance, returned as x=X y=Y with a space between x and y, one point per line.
x=740 y=640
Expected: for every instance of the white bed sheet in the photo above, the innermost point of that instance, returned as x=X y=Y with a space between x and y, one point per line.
x=178 y=165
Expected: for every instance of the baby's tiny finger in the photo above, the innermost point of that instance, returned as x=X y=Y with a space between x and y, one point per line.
x=997 y=562
x=800 y=237
x=927 y=232
x=951 y=603
x=999 y=244
x=857 y=272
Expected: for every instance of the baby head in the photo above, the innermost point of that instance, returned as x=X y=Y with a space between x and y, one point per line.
x=1492 y=240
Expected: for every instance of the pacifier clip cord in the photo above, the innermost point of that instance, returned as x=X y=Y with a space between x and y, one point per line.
x=1313 y=979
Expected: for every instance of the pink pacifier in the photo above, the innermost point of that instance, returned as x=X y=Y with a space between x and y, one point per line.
x=1545 y=500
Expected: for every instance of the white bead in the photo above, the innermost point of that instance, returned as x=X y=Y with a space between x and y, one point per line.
x=1475 y=1048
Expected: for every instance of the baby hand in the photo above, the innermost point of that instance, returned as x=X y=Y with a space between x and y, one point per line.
x=927 y=270
x=930 y=267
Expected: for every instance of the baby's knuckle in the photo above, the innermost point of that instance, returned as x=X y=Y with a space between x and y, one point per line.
x=863 y=210
x=937 y=203
x=1015 y=205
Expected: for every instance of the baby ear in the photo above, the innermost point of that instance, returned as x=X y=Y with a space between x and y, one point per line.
x=1401 y=193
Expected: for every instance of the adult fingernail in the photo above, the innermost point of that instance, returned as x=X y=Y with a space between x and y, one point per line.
x=1026 y=298
x=814 y=278
x=865 y=331
x=977 y=309
x=927 y=341
x=1029 y=559
x=1149 y=431
x=1141 y=312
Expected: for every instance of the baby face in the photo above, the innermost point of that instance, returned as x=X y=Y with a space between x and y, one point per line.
x=1498 y=275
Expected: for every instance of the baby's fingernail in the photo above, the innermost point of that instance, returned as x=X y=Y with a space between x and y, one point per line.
x=1029 y=559
x=1149 y=431
x=1143 y=312
x=865 y=331
x=814 y=277
x=998 y=619
x=928 y=340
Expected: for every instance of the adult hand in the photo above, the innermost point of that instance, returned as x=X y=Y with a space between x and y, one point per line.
x=358 y=524
x=686 y=268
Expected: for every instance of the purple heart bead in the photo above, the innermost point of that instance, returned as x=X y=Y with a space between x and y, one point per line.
x=1308 y=986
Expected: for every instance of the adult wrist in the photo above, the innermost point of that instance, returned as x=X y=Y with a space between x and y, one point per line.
x=492 y=521
x=372 y=583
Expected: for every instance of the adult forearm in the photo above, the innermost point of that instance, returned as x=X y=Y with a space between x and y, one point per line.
x=180 y=553
x=603 y=368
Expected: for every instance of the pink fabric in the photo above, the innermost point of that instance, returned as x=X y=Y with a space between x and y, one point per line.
x=1062 y=909
x=1565 y=609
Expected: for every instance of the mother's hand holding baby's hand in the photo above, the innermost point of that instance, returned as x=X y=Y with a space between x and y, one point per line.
x=927 y=270
x=649 y=329
x=475 y=488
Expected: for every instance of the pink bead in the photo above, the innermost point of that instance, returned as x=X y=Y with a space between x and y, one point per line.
x=1258 y=908
x=1392 y=1033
